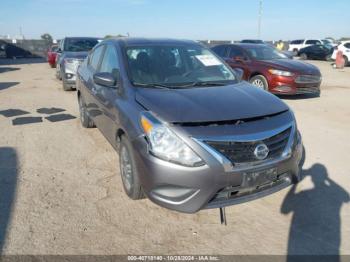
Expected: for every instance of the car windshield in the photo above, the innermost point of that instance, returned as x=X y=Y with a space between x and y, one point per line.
x=264 y=53
x=79 y=45
x=176 y=66
x=54 y=48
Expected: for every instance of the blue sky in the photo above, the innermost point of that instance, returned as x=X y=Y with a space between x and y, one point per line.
x=191 y=19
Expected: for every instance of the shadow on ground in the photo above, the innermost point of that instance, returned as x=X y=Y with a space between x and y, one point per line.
x=8 y=69
x=6 y=85
x=8 y=183
x=22 y=61
x=316 y=223
x=298 y=97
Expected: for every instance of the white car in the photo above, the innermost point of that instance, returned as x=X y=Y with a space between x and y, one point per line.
x=345 y=48
x=296 y=45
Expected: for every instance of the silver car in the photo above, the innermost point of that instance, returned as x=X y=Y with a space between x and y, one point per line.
x=190 y=134
x=71 y=53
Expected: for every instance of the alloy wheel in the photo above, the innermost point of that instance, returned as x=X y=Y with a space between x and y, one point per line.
x=258 y=83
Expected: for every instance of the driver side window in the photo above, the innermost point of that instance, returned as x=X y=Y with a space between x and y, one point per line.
x=95 y=57
x=110 y=60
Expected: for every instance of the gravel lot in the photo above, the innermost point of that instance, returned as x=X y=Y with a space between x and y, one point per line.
x=61 y=192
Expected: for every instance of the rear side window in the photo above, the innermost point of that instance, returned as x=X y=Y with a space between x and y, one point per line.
x=220 y=50
x=110 y=60
x=95 y=57
x=297 y=42
x=313 y=42
x=236 y=52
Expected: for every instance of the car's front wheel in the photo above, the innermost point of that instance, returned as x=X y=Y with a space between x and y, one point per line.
x=58 y=72
x=128 y=171
x=303 y=56
x=84 y=117
x=260 y=82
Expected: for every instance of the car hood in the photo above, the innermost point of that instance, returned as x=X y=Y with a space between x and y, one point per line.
x=293 y=66
x=220 y=103
x=77 y=55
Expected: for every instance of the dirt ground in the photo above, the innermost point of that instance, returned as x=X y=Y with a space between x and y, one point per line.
x=61 y=192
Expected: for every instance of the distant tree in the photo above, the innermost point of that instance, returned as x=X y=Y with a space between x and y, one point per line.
x=113 y=36
x=47 y=37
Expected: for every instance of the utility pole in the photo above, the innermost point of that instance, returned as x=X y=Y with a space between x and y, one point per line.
x=259 y=18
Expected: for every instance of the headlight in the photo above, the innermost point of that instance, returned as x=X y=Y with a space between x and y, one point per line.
x=166 y=145
x=280 y=72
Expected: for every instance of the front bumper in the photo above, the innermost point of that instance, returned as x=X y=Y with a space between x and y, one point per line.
x=69 y=74
x=281 y=85
x=189 y=189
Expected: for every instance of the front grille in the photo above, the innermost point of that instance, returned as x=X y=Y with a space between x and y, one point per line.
x=306 y=79
x=243 y=152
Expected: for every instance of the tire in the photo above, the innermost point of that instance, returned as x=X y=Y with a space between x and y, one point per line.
x=66 y=87
x=85 y=120
x=296 y=180
x=128 y=171
x=303 y=56
x=58 y=75
x=346 y=61
x=260 y=82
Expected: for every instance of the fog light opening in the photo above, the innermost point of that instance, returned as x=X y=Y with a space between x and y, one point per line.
x=69 y=76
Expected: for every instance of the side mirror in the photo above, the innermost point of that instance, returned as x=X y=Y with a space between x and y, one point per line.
x=106 y=79
x=239 y=73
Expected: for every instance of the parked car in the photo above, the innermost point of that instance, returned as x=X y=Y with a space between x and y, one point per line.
x=252 y=41
x=51 y=55
x=345 y=48
x=296 y=45
x=329 y=42
x=318 y=52
x=70 y=54
x=271 y=70
x=189 y=133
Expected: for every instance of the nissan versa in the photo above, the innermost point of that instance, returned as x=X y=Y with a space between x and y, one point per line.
x=189 y=133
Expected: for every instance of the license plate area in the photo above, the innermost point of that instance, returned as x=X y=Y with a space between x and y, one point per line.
x=259 y=178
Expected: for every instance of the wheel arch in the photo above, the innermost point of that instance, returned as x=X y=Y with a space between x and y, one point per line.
x=256 y=73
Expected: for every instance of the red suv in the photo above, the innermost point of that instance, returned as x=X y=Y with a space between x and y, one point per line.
x=267 y=68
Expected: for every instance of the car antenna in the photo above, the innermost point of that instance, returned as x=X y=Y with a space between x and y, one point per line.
x=223 y=216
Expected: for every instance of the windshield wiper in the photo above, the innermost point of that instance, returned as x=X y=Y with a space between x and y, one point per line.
x=151 y=85
x=201 y=83
x=177 y=86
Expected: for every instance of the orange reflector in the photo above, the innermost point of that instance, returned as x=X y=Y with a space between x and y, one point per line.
x=147 y=126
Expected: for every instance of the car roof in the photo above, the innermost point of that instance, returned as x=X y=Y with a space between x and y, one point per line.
x=132 y=41
x=83 y=37
x=243 y=45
